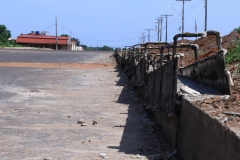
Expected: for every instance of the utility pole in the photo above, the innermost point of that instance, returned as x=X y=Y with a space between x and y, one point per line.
x=140 y=39
x=158 y=29
x=143 y=37
x=161 y=29
x=183 y=14
x=205 y=28
x=148 y=34
x=195 y=26
x=160 y=20
x=166 y=16
x=56 y=35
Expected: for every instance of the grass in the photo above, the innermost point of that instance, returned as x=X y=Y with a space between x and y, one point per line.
x=233 y=54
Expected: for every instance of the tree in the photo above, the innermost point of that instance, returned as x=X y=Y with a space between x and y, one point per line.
x=84 y=46
x=64 y=35
x=106 y=48
x=237 y=29
x=76 y=40
x=5 y=34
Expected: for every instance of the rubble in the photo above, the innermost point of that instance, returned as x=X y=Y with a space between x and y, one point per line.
x=104 y=155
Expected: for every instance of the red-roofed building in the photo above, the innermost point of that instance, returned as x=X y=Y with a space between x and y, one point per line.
x=44 y=41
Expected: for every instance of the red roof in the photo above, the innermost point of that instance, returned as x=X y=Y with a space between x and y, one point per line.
x=42 y=39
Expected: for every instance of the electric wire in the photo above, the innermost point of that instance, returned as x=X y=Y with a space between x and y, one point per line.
x=49 y=27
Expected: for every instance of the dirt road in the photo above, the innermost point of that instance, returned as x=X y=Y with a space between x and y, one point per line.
x=76 y=106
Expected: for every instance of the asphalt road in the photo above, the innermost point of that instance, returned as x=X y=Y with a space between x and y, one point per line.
x=72 y=113
x=48 y=56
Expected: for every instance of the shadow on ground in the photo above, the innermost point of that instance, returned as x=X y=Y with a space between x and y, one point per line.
x=141 y=138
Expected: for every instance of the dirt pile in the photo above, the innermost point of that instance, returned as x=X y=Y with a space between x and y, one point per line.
x=226 y=109
x=208 y=45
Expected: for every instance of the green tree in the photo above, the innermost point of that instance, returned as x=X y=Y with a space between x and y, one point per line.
x=4 y=35
x=106 y=48
x=64 y=35
x=84 y=46
x=237 y=29
x=76 y=40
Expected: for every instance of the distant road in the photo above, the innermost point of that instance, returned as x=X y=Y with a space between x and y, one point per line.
x=52 y=56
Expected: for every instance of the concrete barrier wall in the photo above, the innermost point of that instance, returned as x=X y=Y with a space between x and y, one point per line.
x=167 y=86
x=203 y=137
x=194 y=134
x=156 y=89
x=209 y=72
x=150 y=86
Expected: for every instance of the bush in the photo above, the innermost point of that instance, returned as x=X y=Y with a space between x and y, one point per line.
x=237 y=29
x=233 y=54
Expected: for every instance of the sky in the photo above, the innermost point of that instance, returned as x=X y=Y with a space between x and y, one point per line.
x=116 y=23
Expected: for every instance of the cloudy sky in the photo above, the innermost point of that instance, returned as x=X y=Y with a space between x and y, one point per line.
x=116 y=23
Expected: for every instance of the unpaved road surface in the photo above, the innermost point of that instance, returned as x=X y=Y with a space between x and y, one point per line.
x=71 y=105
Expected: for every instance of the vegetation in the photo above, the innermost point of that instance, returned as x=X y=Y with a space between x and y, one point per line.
x=84 y=47
x=5 y=34
x=77 y=41
x=233 y=53
x=104 y=48
x=73 y=39
x=237 y=29
x=64 y=35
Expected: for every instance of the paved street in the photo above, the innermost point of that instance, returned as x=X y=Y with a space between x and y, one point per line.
x=71 y=105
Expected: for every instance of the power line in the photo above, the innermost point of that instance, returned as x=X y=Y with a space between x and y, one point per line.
x=194 y=6
x=108 y=40
x=48 y=27
x=107 y=33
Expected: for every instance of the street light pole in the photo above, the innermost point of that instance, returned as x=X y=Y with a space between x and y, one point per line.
x=205 y=28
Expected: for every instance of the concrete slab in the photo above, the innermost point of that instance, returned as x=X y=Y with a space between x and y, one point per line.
x=205 y=92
